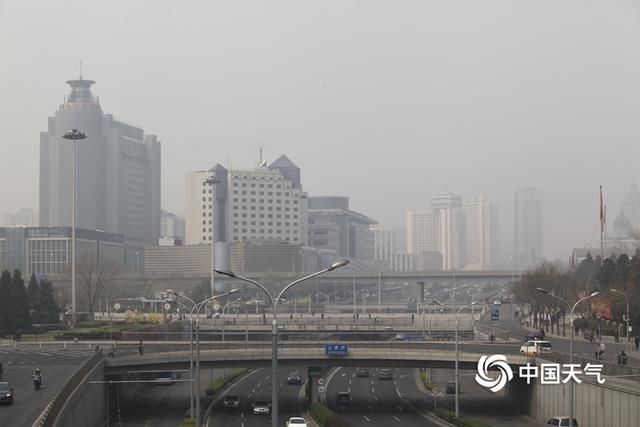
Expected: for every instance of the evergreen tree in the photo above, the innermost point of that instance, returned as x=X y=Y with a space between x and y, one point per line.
x=46 y=309
x=6 y=304
x=620 y=277
x=33 y=291
x=20 y=302
x=605 y=274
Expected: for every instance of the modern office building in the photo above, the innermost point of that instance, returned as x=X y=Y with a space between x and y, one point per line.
x=266 y=203
x=333 y=226
x=384 y=245
x=118 y=171
x=527 y=227
x=480 y=216
x=47 y=250
x=423 y=240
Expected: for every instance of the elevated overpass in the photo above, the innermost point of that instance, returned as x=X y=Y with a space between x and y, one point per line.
x=304 y=354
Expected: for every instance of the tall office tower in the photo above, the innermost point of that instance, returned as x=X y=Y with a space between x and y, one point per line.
x=631 y=206
x=245 y=205
x=423 y=239
x=480 y=218
x=449 y=208
x=527 y=227
x=118 y=171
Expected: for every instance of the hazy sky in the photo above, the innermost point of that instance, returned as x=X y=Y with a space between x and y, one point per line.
x=386 y=102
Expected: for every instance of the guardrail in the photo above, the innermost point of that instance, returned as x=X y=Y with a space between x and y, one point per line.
x=609 y=369
x=48 y=417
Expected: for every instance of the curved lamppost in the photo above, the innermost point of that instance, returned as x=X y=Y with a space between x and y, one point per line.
x=572 y=385
x=196 y=306
x=74 y=135
x=457 y=374
x=274 y=325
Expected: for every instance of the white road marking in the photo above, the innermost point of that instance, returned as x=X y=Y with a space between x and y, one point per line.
x=343 y=374
x=376 y=398
x=349 y=389
x=349 y=382
x=241 y=424
x=396 y=418
x=398 y=407
x=373 y=390
x=364 y=416
x=242 y=415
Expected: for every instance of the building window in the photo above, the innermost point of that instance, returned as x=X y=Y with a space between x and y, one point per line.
x=204 y=222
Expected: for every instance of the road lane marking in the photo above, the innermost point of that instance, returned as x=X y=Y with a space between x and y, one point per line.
x=349 y=389
x=398 y=407
x=241 y=424
x=373 y=390
x=242 y=415
x=396 y=418
x=365 y=417
x=376 y=398
x=343 y=374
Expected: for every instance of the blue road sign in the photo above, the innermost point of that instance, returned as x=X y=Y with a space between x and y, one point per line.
x=336 y=349
x=495 y=314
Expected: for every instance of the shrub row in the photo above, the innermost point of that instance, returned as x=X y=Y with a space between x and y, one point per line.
x=450 y=417
x=326 y=417
x=219 y=383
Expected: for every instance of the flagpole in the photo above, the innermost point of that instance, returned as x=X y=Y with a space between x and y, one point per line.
x=601 y=228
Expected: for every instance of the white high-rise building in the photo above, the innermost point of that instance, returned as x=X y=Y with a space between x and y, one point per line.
x=384 y=242
x=266 y=203
x=452 y=246
x=480 y=233
x=527 y=227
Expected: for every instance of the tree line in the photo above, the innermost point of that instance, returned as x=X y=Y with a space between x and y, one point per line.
x=592 y=274
x=22 y=305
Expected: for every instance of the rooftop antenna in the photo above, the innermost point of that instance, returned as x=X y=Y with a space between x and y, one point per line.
x=80 y=70
x=262 y=163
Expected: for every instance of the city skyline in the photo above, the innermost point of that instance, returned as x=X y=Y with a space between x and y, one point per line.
x=433 y=117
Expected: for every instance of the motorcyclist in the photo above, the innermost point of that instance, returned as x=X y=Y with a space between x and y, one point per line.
x=622 y=358
x=37 y=376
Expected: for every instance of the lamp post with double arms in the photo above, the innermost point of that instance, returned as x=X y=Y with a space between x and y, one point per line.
x=196 y=307
x=274 y=325
x=572 y=308
x=74 y=135
x=626 y=299
x=457 y=373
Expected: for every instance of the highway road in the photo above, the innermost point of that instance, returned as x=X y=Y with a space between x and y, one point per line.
x=56 y=366
x=377 y=402
x=257 y=386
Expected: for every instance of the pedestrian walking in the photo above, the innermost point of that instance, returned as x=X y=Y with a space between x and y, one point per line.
x=637 y=342
x=140 y=348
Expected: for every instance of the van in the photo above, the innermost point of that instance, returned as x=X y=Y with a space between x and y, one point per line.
x=535 y=347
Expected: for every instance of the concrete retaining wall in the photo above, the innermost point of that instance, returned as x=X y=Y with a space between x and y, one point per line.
x=596 y=405
x=86 y=406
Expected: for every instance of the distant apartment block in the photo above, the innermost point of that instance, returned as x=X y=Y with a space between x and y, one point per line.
x=171 y=225
x=527 y=227
x=452 y=233
x=480 y=217
x=23 y=217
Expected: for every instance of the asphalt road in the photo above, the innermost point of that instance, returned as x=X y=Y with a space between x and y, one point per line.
x=56 y=367
x=581 y=346
x=257 y=386
x=377 y=402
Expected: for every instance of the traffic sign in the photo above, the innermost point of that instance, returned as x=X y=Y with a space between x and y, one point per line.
x=167 y=306
x=495 y=314
x=321 y=389
x=216 y=307
x=435 y=390
x=320 y=381
x=117 y=306
x=598 y=315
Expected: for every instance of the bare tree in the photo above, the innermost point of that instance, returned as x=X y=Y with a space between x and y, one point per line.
x=96 y=278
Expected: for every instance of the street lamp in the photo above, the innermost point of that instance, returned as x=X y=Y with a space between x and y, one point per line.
x=274 y=325
x=627 y=299
x=212 y=181
x=424 y=308
x=572 y=385
x=457 y=374
x=224 y=307
x=196 y=306
x=74 y=135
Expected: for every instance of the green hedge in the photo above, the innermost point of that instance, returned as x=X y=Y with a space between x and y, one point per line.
x=425 y=380
x=462 y=421
x=325 y=417
x=219 y=383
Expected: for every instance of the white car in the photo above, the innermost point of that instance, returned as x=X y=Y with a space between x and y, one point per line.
x=297 y=422
x=535 y=347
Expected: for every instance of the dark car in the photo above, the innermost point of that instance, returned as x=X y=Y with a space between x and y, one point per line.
x=362 y=372
x=343 y=398
x=261 y=407
x=385 y=374
x=561 y=421
x=451 y=387
x=231 y=401
x=533 y=336
x=294 y=379
x=6 y=393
